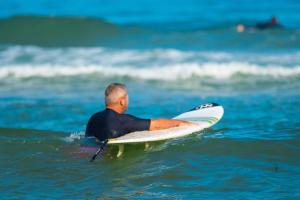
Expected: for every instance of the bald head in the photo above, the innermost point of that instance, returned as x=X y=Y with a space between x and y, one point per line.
x=114 y=93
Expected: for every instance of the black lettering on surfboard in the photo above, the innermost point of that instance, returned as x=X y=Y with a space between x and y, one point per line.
x=203 y=106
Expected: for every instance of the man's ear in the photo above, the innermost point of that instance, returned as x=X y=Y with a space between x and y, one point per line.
x=122 y=102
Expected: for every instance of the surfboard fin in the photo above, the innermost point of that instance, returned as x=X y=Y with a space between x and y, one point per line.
x=147 y=146
x=121 y=150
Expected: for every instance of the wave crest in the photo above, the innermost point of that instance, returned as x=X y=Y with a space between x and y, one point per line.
x=152 y=64
x=167 y=72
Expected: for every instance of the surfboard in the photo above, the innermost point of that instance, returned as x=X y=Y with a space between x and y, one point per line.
x=205 y=116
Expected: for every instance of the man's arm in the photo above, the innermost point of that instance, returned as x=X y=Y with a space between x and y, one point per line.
x=158 y=124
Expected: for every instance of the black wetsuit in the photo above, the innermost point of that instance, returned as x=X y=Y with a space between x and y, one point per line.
x=110 y=124
x=268 y=25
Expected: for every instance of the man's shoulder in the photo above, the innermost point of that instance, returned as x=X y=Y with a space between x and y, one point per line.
x=129 y=118
x=102 y=114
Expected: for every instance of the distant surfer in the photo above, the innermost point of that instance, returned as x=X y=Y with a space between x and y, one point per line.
x=112 y=122
x=270 y=24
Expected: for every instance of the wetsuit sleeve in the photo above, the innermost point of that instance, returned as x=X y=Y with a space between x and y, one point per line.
x=131 y=123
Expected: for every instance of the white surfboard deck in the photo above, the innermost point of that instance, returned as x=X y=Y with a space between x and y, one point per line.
x=204 y=116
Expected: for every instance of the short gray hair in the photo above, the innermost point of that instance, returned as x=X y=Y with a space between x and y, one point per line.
x=113 y=92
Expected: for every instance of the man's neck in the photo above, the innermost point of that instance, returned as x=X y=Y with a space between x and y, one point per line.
x=115 y=108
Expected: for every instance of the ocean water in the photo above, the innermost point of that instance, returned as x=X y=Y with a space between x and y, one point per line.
x=56 y=58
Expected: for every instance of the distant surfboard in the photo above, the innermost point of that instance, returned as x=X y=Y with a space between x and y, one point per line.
x=204 y=116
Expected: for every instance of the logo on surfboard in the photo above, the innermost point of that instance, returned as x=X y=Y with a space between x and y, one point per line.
x=207 y=105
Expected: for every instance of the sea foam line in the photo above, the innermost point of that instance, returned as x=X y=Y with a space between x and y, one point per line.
x=165 y=72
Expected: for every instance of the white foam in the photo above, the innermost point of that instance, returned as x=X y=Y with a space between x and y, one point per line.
x=99 y=55
x=74 y=136
x=167 y=72
x=153 y=64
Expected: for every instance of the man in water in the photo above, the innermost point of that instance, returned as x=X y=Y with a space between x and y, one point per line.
x=112 y=122
x=270 y=24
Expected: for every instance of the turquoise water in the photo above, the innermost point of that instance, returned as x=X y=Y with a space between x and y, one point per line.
x=56 y=60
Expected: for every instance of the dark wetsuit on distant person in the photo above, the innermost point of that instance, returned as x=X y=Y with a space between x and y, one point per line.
x=273 y=23
x=110 y=124
x=270 y=24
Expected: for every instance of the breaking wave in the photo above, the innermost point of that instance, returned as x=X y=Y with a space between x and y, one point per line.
x=153 y=64
x=167 y=72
